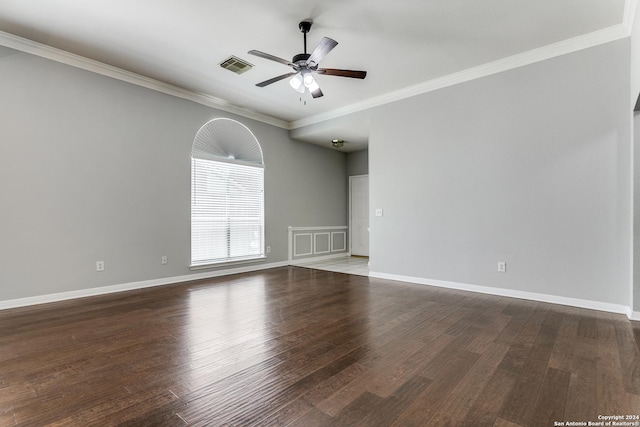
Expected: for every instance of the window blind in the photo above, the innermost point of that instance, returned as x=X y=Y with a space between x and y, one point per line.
x=227 y=212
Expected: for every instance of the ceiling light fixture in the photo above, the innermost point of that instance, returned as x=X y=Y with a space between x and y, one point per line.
x=337 y=143
x=304 y=80
x=305 y=65
x=296 y=83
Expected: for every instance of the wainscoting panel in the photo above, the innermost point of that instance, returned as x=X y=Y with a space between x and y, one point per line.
x=302 y=244
x=312 y=243
x=322 y=243
x=338 y=241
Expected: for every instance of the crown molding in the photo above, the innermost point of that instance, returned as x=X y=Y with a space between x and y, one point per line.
x=563 y=47
x=77 y=61
x=630 y=7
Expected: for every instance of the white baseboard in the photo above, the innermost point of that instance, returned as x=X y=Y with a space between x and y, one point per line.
x=63 y=296
x=104 y=290
x=304 y=261
x=574 y=302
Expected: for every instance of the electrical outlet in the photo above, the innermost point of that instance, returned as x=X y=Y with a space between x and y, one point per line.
x=379 y=212
x=99 y=265
x=268 y=249
x=164 y=259
x=502 y=267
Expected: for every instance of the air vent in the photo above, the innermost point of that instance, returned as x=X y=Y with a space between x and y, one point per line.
x=236 y=65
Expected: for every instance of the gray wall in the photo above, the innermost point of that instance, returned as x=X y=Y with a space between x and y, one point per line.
x=636 y=222
x=635 y=91
x=358 y=163
x=92 y=168
x=530 y=166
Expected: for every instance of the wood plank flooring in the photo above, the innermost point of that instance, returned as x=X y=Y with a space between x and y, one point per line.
x=302 y=347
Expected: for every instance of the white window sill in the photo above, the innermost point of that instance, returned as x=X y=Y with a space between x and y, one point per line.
x=227 y=263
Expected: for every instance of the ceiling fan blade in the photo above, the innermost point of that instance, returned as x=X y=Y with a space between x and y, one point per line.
x=270 y=57
x=275 y=79
x=342 y=73
x=324 y=47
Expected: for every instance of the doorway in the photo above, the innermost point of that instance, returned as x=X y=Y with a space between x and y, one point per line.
x=359 y=215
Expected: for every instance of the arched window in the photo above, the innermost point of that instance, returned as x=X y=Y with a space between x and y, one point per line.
x=227 y=194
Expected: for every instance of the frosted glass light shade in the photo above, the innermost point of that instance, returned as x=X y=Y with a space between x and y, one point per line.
x=296 y=81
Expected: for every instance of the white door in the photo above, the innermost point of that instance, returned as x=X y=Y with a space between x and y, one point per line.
x=359 y=214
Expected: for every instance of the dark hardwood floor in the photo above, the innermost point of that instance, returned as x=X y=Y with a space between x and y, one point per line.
x=294 y=346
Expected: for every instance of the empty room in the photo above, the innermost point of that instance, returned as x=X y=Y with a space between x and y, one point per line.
x=319 y=213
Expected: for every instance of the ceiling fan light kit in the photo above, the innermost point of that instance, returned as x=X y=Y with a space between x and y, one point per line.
x=296 y=83
x=305 y=65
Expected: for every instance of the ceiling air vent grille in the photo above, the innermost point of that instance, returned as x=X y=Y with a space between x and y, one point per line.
x=236 y=65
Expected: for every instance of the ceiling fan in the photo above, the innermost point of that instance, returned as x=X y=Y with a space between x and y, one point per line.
x=305 y=65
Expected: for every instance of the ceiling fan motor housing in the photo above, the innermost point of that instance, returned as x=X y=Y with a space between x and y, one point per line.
x=300 y=58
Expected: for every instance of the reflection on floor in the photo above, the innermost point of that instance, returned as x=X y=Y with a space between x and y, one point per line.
x=350 y=265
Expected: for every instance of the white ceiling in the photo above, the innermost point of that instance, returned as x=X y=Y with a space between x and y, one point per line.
x=181 y=42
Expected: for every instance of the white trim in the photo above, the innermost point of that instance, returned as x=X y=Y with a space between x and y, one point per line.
x=574 y=302
x=632 y=207
x=315 y=243
x=64 y=57
x=311 y=260
x=295 y=244
x=104 y=290
x=574 y=44
x=553 y=50
x=292 y=235
x=323 y=227
x=349 y=213
x=630 y=10
x=289 y=244
x=226 y=263
x=629 y=14
x=344 y=241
